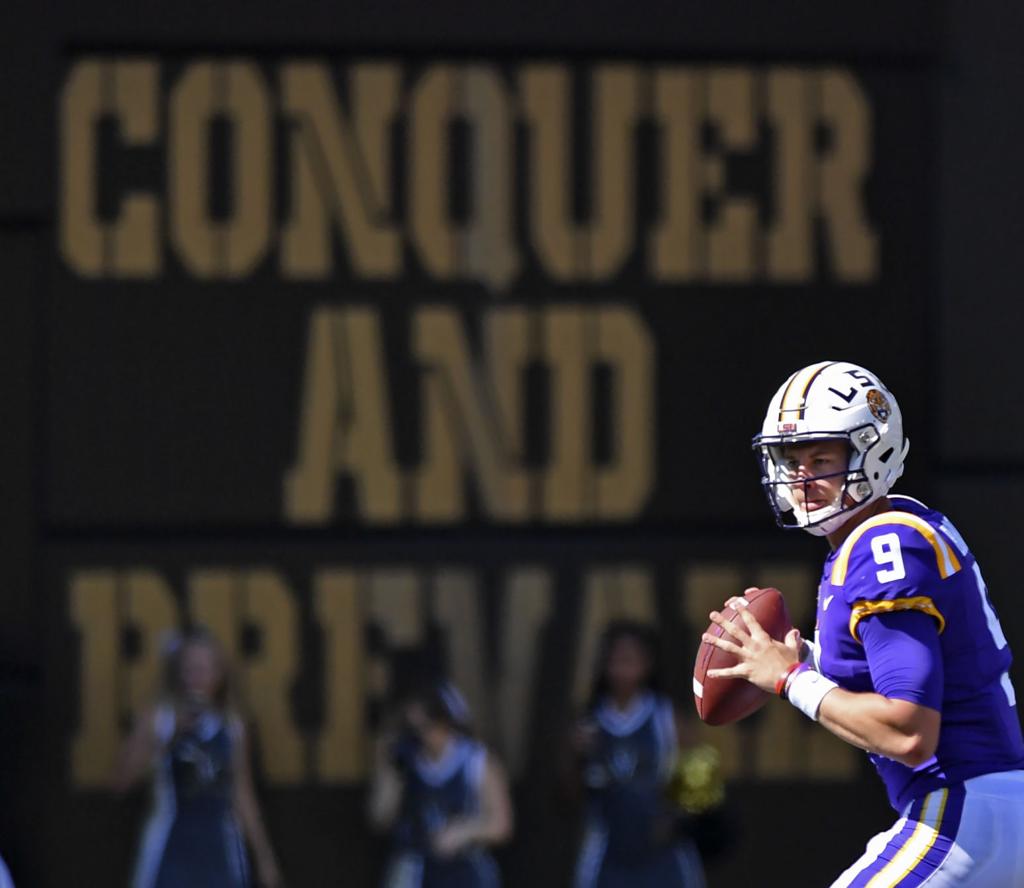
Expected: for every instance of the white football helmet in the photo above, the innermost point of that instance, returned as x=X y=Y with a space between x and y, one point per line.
x=832 y=400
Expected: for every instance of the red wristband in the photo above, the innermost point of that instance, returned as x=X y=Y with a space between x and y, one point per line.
x=780 y=685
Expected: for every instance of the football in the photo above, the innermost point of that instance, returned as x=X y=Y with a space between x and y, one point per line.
x=721 y=701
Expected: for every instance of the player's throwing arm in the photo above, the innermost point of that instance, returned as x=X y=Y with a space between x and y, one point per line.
x=908 y=661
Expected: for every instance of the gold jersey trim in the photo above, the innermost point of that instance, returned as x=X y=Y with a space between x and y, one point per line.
x=945 y=558
x=923 y=603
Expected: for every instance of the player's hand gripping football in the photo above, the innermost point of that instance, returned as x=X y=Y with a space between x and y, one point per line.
x=761 y=659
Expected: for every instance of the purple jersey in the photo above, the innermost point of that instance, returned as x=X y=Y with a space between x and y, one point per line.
x=913 y=559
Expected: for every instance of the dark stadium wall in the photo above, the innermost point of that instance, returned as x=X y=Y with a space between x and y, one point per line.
x=370 y=335
x=976 y=420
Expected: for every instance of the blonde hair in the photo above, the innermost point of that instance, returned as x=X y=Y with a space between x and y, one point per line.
x=172 y=691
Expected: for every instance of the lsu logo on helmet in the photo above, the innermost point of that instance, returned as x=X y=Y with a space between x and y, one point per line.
x=878 y=404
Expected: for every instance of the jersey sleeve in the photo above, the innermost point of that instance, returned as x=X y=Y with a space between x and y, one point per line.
x=890 y=565
x=904 y=657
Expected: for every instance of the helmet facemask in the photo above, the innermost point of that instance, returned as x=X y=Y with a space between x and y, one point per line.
x=779 y=482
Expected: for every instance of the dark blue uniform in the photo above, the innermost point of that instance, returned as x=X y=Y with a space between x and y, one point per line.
x=192 y=839
x=629 y=841
x=435 y=794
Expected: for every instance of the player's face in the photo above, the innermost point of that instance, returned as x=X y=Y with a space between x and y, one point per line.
x=416 y=718
x=628 y=666
x=817 y=470
x=201 y=672
x=432 y=734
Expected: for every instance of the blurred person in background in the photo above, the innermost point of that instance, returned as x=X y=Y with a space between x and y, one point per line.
x=194 y=743
x=440 y=793
x=626 y=753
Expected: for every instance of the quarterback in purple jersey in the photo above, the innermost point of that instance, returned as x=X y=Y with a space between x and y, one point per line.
x=908 y=661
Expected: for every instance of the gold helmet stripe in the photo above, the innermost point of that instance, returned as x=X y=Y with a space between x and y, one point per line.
x=801 y=382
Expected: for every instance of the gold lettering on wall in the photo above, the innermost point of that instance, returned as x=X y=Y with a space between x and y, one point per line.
x=676 y=245
x=400 y=602
x=151 y=611
x=461 y=425
x=481 y=248
x=432 y=110
x=95 y=617
x=345 y=427
x=393 y=603
x=213 y=602
x=341 y=747
x=341 y=171
x=235 y=93
x=731 y=246
x=570 y=251
x=128 y=247
x=342 y=166
x=853 y=244
x=567 y=494
x=458 y=615
x=472 y=415
x=789 y=237
x=489 y=251
x=268 y=676
x=611 y=234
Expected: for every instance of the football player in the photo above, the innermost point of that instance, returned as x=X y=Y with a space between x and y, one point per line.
x=909 y=661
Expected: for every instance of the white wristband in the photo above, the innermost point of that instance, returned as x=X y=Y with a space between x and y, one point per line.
x=807 y=690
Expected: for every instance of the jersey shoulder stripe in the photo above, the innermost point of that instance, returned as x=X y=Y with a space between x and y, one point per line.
x=864 y=608
x=945 y=558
